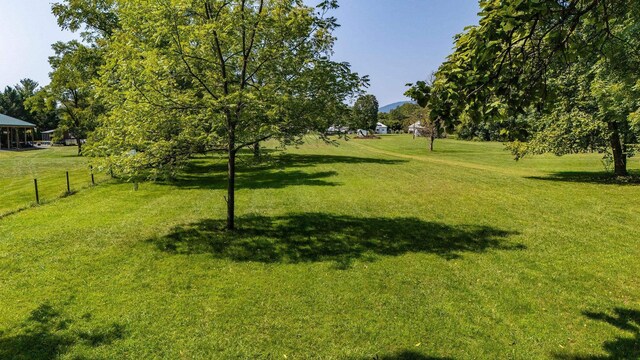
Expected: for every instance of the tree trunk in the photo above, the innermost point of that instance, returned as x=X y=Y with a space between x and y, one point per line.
x=619 y=157
x=256 y=150
x=432 y=140
x=231 y=186
x=79 y=147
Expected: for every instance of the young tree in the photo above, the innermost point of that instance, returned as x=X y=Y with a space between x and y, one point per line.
x=431 y=121
x=183 y=77
x=365 y=112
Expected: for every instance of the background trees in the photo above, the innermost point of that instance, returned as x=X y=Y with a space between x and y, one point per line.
x=17 y=101
x=365 y=112
x=401 y=117
x=71 y=91
x=13 y=97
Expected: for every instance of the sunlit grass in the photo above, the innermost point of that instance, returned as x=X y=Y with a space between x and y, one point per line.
x=373 y=248
x=19 y=169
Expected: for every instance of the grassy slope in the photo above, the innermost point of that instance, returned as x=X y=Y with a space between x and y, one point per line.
x=18 y=169
x=370 y=248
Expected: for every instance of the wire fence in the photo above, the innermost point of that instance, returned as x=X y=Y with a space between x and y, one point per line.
x=22 y=191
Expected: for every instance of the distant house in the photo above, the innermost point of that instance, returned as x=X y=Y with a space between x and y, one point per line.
x=337 y=130
x=362 y=133
x=47 y=136
x=67 y=139
x=416 y=129
x=382 y=129
x=15 y=134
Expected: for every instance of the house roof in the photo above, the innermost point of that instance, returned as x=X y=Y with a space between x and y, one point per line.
x=7 y=121
x=381 y=125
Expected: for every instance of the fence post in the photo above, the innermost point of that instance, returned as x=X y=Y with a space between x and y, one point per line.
x=93 y=180
x=68 y=185
x=35 y=183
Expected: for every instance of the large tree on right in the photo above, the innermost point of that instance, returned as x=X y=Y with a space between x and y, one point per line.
x=569 y=67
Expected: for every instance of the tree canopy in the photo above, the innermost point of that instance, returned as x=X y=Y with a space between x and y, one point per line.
x=71 y=92
x=402 y=117
x=17 y=101
x=432 y=122
x=514 y=62
x=365 y=112
x=183 y=77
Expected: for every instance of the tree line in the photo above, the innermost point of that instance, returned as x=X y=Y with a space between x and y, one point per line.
x=18 y=102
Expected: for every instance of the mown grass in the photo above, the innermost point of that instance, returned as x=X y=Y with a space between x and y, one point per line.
x=373 y=249
x=49 y=167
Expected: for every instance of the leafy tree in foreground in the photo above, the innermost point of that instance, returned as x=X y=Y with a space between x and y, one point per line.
x=96 y=19
x=185 y=77
x=365 y=112
x=508 y=66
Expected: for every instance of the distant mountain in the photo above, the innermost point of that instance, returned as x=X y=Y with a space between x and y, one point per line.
x=388 y=108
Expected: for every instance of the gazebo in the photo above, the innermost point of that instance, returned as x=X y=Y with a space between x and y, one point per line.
x=14 y=133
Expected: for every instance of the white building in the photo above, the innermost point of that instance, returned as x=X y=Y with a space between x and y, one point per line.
x=416 y=128
x=382 y=129
x=337 y=130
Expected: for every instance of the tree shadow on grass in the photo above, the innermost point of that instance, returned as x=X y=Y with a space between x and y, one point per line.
x=621 y=347
x=210 y=173
x=316 y=237
x=602 y=178
x=256 y=180
x=48 y=334
x=405 y=355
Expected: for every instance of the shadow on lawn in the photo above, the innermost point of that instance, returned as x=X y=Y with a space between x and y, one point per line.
x=313 y=237
x=211 y=174
x=622 y=347
x=604 y=178
x=406 y=355
x=48 y=334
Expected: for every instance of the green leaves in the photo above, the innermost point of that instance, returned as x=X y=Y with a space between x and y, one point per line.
x=365 y=112
x=570 y=66
x=197 y=77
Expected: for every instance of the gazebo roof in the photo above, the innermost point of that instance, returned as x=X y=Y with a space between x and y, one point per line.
x=7 y=121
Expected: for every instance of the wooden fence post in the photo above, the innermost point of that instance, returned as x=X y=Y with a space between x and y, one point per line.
x=35 y=183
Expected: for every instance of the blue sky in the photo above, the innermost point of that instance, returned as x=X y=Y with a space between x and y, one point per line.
x=27 y=30
x=397 y=42
x=392 y=41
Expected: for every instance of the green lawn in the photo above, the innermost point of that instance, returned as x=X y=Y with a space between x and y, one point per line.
x=49 y=167
x=373 y=249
